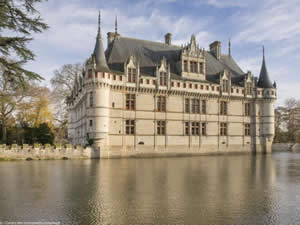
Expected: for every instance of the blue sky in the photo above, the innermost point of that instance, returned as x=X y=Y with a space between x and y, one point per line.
x=248 y=23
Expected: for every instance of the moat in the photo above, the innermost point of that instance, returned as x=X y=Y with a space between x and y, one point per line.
x=235 y=189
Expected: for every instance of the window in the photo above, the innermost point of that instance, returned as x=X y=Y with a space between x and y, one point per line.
x=130 y=101
x=114 y=77
x=131 y=75
x=194 y=67
x=91 y=123
x=163 y=78
x=203 y=129
x=203 y=107
x=247 y=129
x=91 y=99
x=223 y=129
x=195 y=128
x=130 y=126
x=225 y=85
x=90 y=73
x=148 y=81
x=187 y=128
x=161 y=103
x=249 y=89
x=247 y=109
x=201 y=68
x=223 y=108
x=161 y=127
x=195 y=106
x=187 y=105
x=185 y=66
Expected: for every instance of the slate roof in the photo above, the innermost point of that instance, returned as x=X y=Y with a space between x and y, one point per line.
x=150 y=53
x=264 y=80
x=98 y=54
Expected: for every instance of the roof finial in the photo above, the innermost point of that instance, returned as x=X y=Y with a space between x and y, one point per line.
x=99 y=24
x=263 y=52
x=229 y=47
x=116 y=25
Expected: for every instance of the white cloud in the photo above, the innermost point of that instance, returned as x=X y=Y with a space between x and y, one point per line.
x=275 y=20
x=73 y=29
x=226 y=3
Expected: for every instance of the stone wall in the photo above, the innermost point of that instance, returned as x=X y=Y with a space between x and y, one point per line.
x=47 y=152
x=284 y=147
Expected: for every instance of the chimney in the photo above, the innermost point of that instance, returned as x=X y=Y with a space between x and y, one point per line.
x=215 y=49
x=110 y=37
x=168 y=38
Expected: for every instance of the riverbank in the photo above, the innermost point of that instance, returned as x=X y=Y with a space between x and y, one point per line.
x=58 y=152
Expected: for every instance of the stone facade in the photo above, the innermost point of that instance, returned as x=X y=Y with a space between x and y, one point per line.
x=182 y=107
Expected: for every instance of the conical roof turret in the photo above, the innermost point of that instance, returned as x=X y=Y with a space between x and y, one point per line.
x=98 y=55
x=264 y=80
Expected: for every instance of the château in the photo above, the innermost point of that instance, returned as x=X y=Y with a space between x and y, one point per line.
x=142 y=97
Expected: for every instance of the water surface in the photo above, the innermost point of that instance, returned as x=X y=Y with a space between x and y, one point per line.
x=237 y=189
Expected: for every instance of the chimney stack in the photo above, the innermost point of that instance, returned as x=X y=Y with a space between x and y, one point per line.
x=168 y=38
x=215 y=49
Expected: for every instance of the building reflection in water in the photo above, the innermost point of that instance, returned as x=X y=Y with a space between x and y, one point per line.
x=207 y=190
x=236 y=189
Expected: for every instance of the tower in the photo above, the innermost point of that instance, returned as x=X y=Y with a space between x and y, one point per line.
x=98 y=94
x=267 y=114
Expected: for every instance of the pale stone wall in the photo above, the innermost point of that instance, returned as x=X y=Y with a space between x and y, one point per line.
x=109 y=116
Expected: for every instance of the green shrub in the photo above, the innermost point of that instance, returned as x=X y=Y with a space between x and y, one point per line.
x=37 y=145
x=48 y=146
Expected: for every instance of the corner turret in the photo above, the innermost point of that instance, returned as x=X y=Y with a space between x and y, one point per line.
x=98 y=55
x=264 y=80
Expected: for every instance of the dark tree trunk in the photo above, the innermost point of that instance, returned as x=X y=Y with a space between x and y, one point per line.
x=3 y=132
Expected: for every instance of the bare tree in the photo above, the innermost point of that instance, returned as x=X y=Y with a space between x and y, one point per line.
x=287 y=124
x=62 y=85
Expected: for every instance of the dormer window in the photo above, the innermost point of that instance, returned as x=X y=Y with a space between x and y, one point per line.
x=90 y=73
x=185 y=66
x=131 y=75
x=249 y=89
x=201 y=68
x=225 y=85
x=194 y=67
x=163 y=78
